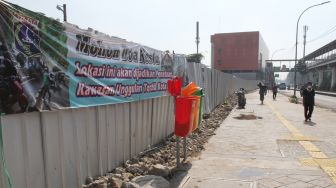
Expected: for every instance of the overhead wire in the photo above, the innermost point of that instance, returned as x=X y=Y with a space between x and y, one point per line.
x=328 y=32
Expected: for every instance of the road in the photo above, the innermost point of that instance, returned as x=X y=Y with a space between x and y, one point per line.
x=320 y=100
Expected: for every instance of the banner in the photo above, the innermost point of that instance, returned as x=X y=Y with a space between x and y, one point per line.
x=48 y=65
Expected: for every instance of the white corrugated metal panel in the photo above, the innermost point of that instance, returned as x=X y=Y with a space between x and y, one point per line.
x=165 y=117
x=3 y=181
x=126 y=125
x=207 y=90
x=102 y=139
x=67 y=148
x=154 y=126
x=119 y=134
x=92 y=141
x=111 y=136
x=14 y=144
x=123 y=132
x=133 y=127
x=191 y=72
x=52 y=149
x=148 y=111
x=213 y=90
x=160 y=117
x=23 y=149
x=171 y=116
x=140 y=126
x=198 y=72
x=137 y=128
x=228 y=83
x=80 y=134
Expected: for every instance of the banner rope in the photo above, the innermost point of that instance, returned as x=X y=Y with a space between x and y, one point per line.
x=2 y=155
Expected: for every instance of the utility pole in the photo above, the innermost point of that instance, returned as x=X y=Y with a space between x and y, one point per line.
x=197 y=40
x=64 y=12
x=305 y=29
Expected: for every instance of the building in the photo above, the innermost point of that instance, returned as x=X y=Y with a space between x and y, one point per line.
x=269 y=75
x=243 y=54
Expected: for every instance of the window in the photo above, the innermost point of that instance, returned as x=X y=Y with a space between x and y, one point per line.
x=219 y=61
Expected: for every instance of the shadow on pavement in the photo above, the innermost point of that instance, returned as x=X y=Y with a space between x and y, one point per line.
x=310 y=123
x=247 y=117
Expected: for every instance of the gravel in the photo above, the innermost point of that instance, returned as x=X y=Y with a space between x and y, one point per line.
x=163 y=154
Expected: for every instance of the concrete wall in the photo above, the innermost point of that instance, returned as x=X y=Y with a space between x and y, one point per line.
x=263 y=54
x=59 y=149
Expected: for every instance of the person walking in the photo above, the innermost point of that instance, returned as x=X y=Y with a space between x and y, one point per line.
x=308 y=95
x=275 y=91
x=262 y=92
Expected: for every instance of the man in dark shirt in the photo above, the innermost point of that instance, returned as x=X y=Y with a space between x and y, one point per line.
x=308 y=101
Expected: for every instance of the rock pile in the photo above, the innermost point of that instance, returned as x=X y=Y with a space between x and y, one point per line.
x=157 y=165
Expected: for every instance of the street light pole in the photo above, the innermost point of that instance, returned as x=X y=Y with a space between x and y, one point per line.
x=59 y=7
x=278 y=50
x=296 y=40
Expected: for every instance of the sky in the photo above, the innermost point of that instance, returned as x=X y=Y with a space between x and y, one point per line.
x=171 y=24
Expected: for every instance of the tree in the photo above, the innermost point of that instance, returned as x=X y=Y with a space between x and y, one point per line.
x=194 y=58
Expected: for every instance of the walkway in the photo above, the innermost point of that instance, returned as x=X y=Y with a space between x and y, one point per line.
x=277 y=149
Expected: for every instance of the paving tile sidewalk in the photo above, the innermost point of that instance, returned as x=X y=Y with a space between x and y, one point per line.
x=266 y=151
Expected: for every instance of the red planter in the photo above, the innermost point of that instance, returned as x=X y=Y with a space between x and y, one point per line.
x=184 y=116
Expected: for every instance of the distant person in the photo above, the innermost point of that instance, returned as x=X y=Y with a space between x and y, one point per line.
x=275 y=91
x=308 y=101
x=262 y=92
